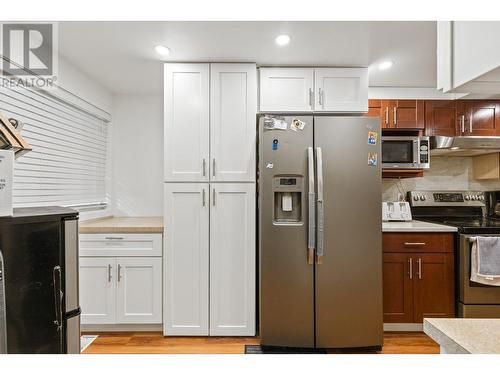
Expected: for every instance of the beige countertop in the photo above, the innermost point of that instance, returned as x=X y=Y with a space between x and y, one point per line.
x=415 y=226
x=465 y=336
x=112 y=224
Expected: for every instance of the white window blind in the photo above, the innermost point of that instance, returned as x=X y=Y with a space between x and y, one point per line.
x=68 y=163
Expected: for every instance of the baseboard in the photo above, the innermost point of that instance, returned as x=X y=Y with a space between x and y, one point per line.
x=403 y=327
x=121 y=327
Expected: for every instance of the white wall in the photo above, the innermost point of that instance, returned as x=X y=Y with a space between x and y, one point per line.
x=446 y=173
x=81 y=86
x=137 y=155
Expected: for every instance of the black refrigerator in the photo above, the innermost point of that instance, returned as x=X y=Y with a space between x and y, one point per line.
x=39 y=305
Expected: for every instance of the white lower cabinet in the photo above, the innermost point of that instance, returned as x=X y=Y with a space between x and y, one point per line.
x=209 y=284
x=97 y=290
x=118 y=289
x=138 y=292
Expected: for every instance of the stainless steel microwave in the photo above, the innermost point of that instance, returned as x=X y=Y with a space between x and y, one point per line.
x=405 y=152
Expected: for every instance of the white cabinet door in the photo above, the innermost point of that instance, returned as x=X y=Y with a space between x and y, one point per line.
x=186 y=115
x=97 y=290
x=341 y=89
x=286 y=89
x=139 y=285
x=232 y=260
x=185 y=308
x=233 y=99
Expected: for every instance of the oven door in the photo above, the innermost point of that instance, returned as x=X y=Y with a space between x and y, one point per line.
x=400 y=152
x=472 y=293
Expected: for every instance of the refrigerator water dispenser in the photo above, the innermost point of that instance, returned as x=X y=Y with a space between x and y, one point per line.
x=287 y=199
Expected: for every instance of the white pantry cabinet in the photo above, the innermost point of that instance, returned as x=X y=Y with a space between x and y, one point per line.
x=233 y=107
x=186 y=116
x=186 y=259
x=210 y=259
x=97 y=290
x=286 y=89
x=342 y=90
x=232 y=260
x=210 y=122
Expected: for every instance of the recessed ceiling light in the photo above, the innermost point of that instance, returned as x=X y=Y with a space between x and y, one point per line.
x=162 y=50
x=282 y=40
x=384 y=65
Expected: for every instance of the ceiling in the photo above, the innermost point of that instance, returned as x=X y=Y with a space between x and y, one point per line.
x=121 y=56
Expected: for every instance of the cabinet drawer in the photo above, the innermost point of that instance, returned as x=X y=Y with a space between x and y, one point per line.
x=121 y=244
x=417 y=242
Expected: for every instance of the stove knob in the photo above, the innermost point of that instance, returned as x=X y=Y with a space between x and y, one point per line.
x=467 y=197
x=473 y=197
x=415 y=197
x=422 y=198
x=481 y=197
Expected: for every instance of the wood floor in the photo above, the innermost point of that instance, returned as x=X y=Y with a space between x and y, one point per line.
x=156 y=343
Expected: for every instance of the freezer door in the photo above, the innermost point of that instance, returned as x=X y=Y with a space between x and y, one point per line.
x=286 y=276
x=349 y=262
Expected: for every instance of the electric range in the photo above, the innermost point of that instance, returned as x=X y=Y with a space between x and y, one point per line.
x=473 y=213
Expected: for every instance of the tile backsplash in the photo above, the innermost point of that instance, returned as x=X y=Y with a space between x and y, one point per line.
x=446 y=173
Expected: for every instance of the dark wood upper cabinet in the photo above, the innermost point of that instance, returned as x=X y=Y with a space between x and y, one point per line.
x=402 y=114
x=478 y=117
x=441 y=117
x=374 y=107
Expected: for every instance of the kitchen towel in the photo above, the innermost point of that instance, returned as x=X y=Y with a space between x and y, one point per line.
x=485 y=261
x=488 y=256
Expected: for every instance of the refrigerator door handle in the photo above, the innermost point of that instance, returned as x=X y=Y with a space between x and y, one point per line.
x=58 y=296
x=321 y=211
x=311 y=234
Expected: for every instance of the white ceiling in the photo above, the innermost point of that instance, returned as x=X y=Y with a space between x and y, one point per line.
x=121 y=56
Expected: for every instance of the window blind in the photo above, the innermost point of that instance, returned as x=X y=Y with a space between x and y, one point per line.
x=67 y=166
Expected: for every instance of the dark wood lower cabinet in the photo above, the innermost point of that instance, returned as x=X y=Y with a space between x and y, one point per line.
x=433 y=286
x=397 y=289
x=418 y=282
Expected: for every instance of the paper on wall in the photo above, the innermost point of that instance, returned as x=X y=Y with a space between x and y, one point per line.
x=6 y=180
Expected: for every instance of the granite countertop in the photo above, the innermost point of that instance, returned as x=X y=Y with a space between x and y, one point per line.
x=112 y=224
x=465 y=336
x=415 y=226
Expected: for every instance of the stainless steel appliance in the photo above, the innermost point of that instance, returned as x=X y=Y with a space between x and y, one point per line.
x=320 y=232
x=464 y=146
x=467 y=211
x=39 y=247
x=406 y=152
x=396 y=211
x=3 y=313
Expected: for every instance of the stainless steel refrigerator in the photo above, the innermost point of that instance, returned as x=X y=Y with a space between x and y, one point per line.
x=320 y=231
